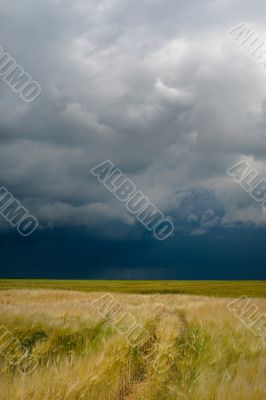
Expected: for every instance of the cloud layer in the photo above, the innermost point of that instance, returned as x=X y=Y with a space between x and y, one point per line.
x=157 y=87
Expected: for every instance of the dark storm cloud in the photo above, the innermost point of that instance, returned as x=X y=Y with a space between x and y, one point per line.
x=235 y=254
x=158 y=87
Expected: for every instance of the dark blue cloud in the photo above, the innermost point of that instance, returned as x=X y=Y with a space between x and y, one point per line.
x=63 y=254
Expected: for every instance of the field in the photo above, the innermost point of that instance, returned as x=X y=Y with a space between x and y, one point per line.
x=193 y=347
x=204 y=288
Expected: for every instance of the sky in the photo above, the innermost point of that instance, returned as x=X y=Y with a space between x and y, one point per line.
x=161 y=90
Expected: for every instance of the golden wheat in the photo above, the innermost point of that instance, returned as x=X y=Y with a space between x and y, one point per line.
x=83 y=356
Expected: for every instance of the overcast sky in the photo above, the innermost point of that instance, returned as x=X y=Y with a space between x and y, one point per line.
x=156 y=86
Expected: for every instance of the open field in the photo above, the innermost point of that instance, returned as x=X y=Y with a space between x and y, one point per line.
x=195 y=348
x=204 y=288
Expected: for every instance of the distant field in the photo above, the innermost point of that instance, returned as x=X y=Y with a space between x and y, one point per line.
x=205 y=288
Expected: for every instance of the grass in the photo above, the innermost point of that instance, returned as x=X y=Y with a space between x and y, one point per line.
x=204 y=288
x=211 y=355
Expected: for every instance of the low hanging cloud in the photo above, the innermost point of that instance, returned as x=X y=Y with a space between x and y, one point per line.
x=157 y=87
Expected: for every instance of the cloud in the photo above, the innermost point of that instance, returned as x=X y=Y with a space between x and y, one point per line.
x=157 y=87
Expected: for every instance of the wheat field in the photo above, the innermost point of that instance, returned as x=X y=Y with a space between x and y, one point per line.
x=82 y=354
